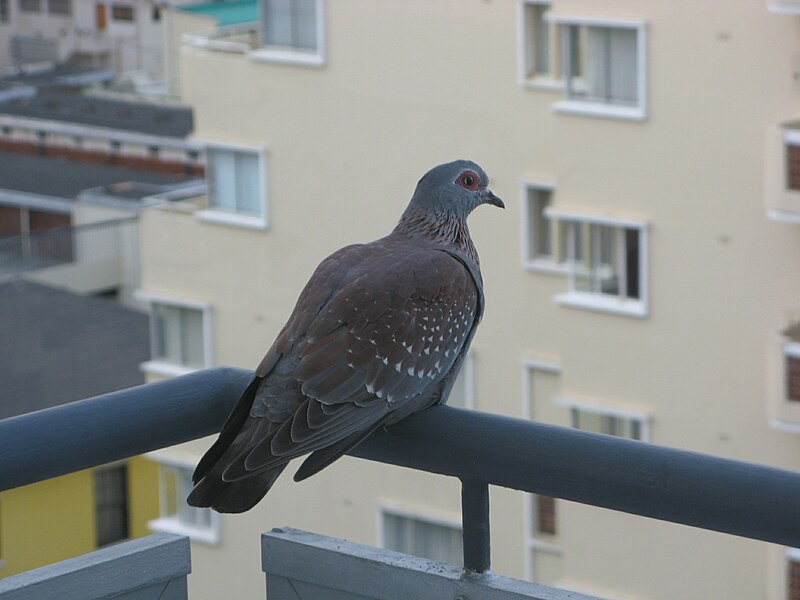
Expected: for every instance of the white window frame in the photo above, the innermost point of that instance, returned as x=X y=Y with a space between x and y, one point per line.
x=530 y=261
x=468 y=373
x=172 y=523
x=224 y=217
x=166 y=369
x=644 y=419
x=602 y=109
x=633 y=307
x=532 y=543
x=528 y=76
x=298 y=57
x=423 y=516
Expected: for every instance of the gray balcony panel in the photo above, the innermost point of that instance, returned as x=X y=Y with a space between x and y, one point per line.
x=307 y=566
x=150 y=568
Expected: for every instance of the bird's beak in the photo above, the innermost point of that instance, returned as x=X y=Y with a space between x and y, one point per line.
x=490 y=198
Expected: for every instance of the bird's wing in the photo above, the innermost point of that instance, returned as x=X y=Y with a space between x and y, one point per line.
x=373 y=330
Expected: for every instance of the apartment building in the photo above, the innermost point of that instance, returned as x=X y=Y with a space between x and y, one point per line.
x=643 y=281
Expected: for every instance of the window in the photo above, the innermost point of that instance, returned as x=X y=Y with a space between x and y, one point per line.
x=792 y=166
x=538 y=246
x=791 y=353
x=432 y=539
x=463 y=393
x=236 y=187
x=793 y=574
x=606 y=261
x=5 y=15
x=291 y=31
x=544 y=517
x=123 y=12
x=604 y=67
x=536 y=38
x=31 y=6
x=175 y=484
x=59 y=7
x=111 y=504
x=180 y=336
x=607 y=420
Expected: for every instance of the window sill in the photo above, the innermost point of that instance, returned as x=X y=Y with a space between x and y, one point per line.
x=787 y=216
x=545 y=266
x=231 y=218
x=599 y=109
x=599 y=303
x=287 y=56
x=197 y=534
x=543 y=546
x=165 y=369
x=543 y=83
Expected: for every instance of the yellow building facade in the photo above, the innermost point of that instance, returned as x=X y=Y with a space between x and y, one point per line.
x=68 y=516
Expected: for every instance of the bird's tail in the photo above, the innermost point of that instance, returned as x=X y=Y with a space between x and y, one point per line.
x=230 y=496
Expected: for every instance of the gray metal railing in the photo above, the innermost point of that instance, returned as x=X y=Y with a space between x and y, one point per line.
x=695 y=489
x=64 y=245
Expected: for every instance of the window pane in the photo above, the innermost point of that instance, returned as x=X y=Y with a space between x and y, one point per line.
x=541 y=32
x=632 y=262
x=607 y=424
x=168 y=333
x=248 y=185
x=609 y=55
x=433 y=541
x=305 y=25
x=222 y=179
x=277 y=22
x=545 y=517
x=192 y=351
x=458 y=395
x=541 y=244
x=792 y=167
x=111 y=504
x=793 y=378
x=793 y=577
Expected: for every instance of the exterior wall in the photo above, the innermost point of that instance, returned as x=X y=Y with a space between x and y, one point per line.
x=53 y=520
x=413 y=84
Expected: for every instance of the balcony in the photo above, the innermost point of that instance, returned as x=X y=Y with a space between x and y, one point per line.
x=703 y=491
x=782 y=180
x=85 y=258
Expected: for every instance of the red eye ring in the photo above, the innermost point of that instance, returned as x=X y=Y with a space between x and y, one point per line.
x=469 y=180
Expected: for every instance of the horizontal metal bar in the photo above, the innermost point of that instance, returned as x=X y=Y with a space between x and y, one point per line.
x=151 y=567
x=673 y=485
x=87 y=433
x=695 y=489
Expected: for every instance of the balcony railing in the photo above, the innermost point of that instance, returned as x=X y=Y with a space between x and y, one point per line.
x=738 y=498
x=90 y=243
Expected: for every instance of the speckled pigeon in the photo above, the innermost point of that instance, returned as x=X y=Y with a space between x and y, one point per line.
x=379 y=332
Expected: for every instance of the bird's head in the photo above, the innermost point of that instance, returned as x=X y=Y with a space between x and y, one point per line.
x=456 y=187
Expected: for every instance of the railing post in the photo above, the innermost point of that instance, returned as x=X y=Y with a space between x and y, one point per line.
x=475 y=525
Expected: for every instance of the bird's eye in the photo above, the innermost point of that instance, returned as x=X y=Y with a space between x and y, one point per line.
x=469 y=180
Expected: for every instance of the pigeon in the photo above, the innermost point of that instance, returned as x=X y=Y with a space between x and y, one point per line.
x=379 y=332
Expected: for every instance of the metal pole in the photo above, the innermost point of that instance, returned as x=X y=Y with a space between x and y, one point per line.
x=475 y=525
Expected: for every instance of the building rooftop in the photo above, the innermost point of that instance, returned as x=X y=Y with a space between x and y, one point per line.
x=139 y=117
x=59 y=347
x=227 y=13
x=64 y=178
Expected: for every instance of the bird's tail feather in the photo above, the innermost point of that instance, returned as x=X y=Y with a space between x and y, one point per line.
x=233 y=496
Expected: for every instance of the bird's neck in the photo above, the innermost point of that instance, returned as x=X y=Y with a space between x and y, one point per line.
x=440 y=228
